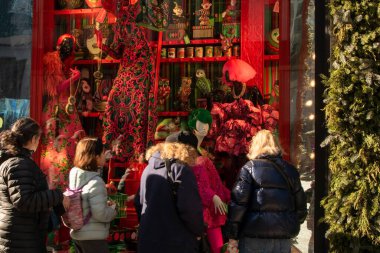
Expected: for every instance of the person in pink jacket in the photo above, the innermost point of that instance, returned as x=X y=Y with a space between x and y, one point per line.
x=214 y=194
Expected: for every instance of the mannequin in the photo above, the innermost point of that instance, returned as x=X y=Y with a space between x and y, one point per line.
x=130 y=110
x=61 y=124
x=213 y=193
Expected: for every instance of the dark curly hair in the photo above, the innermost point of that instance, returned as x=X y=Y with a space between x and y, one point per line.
x=21 y=132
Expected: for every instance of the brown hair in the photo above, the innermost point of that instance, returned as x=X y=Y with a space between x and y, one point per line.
x=85 y=154
x=21 y=132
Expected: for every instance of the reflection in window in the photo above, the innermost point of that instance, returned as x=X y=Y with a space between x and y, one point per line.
x=303 y=108
x=15 y=60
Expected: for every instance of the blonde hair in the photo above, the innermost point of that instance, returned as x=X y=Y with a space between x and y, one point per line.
x=263 y=143
x=174 y=150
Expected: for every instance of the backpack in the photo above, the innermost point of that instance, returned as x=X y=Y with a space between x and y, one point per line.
x=73 y=217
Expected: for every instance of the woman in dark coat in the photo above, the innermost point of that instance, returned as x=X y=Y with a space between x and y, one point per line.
x=25 y=200
x=268 y=203
x=168 y=204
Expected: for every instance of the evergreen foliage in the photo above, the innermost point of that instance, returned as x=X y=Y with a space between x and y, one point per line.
x=352 y=98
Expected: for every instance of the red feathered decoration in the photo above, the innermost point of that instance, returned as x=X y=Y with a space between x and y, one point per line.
x=238 y=70
x=53 y=72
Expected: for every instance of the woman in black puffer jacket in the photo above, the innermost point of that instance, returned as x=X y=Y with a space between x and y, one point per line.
x=268 y=203
x=25 y=200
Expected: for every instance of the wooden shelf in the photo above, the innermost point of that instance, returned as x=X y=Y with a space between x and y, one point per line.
x=77 y=11
x=173 y=114
x=91 y=62
x=274 y=57
x=197 y=59
x=192 y=42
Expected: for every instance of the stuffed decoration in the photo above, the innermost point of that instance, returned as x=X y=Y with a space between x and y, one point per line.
x=226 y=42
x=204 y=13
x=184 y=93
x=272 y=42
x=87 y=103
x=178 y=16
x=57 y=146
x=203 y=83
x=166 y=127
x=163 y=92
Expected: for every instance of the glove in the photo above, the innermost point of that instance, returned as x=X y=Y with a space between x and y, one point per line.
x=219 y=205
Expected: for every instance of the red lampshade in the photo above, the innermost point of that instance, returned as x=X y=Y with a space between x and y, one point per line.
x=238 y=70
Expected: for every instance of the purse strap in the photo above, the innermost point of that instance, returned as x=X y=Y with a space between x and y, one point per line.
x=174 y=185
x=280 y=169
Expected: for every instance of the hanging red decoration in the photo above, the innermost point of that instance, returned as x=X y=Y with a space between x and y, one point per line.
x=238 y=71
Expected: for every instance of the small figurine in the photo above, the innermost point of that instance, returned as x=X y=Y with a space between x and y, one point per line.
x=203 y=83
x=230 y=15
x=166 y=127
x=86 y=103
x=184 y=93
x=226 y=42
x=204 y=13
x=178 y=14
x=163 y=92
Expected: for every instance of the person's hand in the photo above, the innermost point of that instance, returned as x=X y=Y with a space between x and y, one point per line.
x=232 y=246
x=219 y=205
x=131 y=198
x=66 y=202
x=110 y=202
x=126 y=173
x=74 y=74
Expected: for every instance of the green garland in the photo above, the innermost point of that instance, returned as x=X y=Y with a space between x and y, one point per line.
x=352 y=98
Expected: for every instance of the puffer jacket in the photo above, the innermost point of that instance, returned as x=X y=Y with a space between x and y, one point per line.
x=94 y=198
x=168 y=224
x=262 y=205
x=25 y=204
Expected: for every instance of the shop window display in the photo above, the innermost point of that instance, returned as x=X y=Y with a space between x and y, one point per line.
x=178 y=68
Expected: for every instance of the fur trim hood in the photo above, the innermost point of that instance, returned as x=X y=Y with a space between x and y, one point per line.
x=184 y=153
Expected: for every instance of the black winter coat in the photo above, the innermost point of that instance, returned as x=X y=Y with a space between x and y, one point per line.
x=168 y=225
x=25 y=203
x=262 y=205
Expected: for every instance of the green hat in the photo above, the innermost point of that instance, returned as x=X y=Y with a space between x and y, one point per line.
x=200 y=114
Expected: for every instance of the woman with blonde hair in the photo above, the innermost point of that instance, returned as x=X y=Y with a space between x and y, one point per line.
x=98 y=212
x=268 y=203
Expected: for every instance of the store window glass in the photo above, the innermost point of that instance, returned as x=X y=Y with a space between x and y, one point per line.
x=302 y=108
x=15 y=60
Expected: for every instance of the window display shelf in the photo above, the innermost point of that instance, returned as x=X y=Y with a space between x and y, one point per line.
x=197 y=59
x=91 y=114
x=91 y=62
x=196 y=42
x=274 y=57
x=173 y=114
x=77 y=11
x=192 y=42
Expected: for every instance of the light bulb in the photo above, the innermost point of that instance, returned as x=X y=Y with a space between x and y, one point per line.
x=312 y=155
x=311 y=117
x=312 y=83
x=309 y=103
